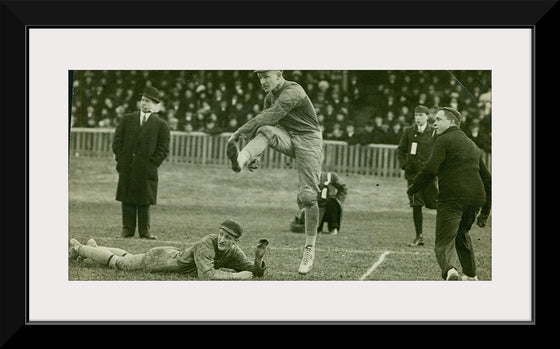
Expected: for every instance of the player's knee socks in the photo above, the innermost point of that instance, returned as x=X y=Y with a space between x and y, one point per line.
x=417 y=217
x=98 y=255
x=255 y=147
x=311 y=224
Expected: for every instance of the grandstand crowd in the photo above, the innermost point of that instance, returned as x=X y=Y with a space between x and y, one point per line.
x=357 y=107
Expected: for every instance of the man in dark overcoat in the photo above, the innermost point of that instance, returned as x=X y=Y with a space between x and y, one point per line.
x=465 y=185
x=414 y=149
x=140 y=145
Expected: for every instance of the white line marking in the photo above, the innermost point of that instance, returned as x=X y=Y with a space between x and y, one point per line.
x=352 y=251
x=336 y=250
x=375 y=265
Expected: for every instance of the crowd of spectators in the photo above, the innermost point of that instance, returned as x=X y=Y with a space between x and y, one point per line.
x=357 y=107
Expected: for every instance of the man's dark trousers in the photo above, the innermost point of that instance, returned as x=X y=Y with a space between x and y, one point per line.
x=129 y=214
x=453 y=222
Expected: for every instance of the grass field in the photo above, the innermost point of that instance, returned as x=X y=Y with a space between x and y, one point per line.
x=193 y=200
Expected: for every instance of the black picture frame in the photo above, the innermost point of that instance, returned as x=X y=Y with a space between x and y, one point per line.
x=18 y=17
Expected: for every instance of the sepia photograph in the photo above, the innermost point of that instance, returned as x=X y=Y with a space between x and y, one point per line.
x=280 y=175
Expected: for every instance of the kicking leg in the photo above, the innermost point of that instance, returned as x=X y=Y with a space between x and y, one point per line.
x=253 y=149
x=275 y=137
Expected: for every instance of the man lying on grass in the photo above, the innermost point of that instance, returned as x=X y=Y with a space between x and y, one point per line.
x=214 y=257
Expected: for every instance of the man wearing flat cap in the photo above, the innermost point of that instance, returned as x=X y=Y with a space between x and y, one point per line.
x=414 y=148
x=140 y=145
x=216 y=256
x=464 y=190
x=289 y=125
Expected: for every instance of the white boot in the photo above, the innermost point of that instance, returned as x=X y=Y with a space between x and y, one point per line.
x=73 y=246
x=452 y=275
x=469 y=278
x=307 y=260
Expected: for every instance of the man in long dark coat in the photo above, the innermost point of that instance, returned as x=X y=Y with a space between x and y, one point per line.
x=140 y=145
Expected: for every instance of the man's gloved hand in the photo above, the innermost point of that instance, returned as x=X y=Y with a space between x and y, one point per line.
x=261 y=248
x=253 y=164
x=481 y=220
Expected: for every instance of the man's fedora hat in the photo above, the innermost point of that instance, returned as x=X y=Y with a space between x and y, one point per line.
x=152 y=93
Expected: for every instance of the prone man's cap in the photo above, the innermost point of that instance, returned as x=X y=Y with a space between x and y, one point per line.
x=232 y=227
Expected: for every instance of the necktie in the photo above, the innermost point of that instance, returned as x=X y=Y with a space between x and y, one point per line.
x=144 y=117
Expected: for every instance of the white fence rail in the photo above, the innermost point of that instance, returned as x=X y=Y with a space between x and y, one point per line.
x=201 y=148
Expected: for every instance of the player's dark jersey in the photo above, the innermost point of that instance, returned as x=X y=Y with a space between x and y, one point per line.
x=288 y=107
x=204 y=259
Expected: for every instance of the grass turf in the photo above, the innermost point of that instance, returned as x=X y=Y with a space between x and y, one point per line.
x=194 y=199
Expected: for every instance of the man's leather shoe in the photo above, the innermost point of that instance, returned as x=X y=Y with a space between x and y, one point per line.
x=232 y=153
x=419 y=241
x=148 y=237
x=452 y=275
x=126 y=234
